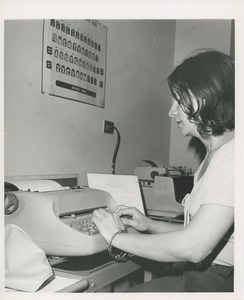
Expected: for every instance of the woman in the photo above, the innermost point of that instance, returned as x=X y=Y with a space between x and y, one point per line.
x=203 y=107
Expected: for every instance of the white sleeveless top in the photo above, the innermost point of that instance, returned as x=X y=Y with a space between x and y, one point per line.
x=216 y=186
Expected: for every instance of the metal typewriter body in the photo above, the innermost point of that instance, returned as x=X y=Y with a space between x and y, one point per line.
x=59 y=221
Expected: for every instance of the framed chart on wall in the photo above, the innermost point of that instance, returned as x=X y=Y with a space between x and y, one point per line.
x=74 y=60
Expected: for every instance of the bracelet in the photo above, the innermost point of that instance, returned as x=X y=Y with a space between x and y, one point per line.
x=120 y=257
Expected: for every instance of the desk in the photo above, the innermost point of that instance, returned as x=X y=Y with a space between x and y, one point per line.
x=99 y=270
x=85 y=274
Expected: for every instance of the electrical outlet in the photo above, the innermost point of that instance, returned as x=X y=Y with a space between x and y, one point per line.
x=108 y=127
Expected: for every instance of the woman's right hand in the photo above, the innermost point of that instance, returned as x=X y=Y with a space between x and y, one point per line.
x=131 y=216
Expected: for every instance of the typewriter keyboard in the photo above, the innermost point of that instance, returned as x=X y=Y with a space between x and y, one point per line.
x=84 y=225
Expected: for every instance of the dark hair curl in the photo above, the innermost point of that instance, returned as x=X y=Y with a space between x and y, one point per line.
x=208 y=76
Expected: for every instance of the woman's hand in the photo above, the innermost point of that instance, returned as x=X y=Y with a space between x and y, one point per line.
x=107 y=223
x=131 y=216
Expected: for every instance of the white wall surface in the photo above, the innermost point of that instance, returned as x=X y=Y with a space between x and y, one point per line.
x=191 y=35
x=50 y=135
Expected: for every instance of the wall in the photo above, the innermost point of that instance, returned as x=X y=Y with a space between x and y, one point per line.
x=50 y=135
x=191 y=35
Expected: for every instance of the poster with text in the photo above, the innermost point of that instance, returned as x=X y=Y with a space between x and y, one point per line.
x=74 y=60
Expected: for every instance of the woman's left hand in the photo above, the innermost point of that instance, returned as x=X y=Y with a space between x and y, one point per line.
x=107 y=223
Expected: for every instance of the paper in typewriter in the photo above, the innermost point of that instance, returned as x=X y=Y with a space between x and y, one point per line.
x=38 y=185
x=124 y=189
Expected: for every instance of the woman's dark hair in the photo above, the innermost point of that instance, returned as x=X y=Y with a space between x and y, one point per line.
x=207 y=76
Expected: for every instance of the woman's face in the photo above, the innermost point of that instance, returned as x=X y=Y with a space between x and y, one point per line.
x=187 y=128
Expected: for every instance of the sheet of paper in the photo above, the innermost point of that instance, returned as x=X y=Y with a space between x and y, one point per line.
x=38 y=185
x=57 y=284
x=124 y=189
